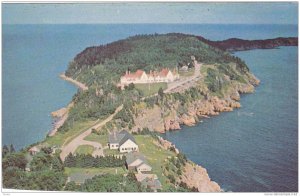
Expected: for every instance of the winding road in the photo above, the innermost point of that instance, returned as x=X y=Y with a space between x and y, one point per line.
x=79 y=140
x=183 y=84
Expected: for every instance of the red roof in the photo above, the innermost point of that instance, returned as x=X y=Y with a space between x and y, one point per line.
x=137 y=74
x=164 y=72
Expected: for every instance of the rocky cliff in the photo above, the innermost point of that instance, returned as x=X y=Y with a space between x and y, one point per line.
x=156 y=119
x=193 y=175
x=197 y=176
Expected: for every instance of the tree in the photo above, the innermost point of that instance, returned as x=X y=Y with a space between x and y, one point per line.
x=130 y=87
x=47 y=150
x=161 y=93
x=12 y=177
x=171 y=178
x=5 y=150
x=71 y=186
x=12 y=149
x=40 y=161
x=57 y=164
x=14 y=160
x=70 y=161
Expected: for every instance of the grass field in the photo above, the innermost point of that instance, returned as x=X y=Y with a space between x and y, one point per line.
x=103 y=139
x=151 y=89
x=79 y=175
x=155 y=155
x=60 y=138
x=188 y=73
x=110 y=170
x=84 y=149
x=108 y=151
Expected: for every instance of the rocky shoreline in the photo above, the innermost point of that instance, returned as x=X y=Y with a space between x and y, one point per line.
x=194 y=176
x=75 y=82
x=211 y=106
x=60 y=116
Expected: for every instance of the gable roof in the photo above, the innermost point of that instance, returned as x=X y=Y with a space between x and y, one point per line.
x=137 y=74
x=133 y=156
x=120 y=137
x=127 y=137
x=164 y=72
x=143 y=163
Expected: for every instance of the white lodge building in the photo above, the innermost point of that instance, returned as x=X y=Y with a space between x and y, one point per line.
x=123 y=141
x=141 y=77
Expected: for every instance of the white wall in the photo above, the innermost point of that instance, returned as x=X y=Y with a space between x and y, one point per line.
x=113 y=146
x=128 y=146
x=144 y=167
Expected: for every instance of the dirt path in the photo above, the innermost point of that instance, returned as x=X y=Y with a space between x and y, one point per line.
x=79 y=140
x=75 y=82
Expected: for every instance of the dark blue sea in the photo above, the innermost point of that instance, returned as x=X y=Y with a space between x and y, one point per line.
x=254 y=148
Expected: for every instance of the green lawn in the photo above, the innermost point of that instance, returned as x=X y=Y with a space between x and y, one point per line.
x=60 y=138
x=79 y=175
x=155 y=155
x=84 y=149
x=108 y=151
x=188 y=73
x=151 y=89
x=110 y=170
x=102 y=139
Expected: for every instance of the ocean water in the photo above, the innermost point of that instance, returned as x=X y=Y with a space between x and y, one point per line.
x=254 y=148
x=251 y=149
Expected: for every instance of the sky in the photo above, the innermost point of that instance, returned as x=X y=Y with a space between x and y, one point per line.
x=110 y=13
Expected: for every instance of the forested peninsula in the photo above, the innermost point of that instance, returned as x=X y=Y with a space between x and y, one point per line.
x=222 y=78
x=235 y=44
x=209 y=80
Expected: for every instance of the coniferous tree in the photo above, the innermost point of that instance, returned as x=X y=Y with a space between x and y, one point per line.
x=12 y=149
x=5 y=150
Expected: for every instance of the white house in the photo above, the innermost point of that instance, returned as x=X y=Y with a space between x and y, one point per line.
x=123 y=141
x=141 y=77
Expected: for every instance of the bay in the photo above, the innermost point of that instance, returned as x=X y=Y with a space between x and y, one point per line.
x=251 y=149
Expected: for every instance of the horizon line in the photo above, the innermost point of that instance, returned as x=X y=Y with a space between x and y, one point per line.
x=150 y=23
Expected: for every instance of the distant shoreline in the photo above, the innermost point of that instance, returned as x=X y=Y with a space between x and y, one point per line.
x=61 y=115
x=59 y=118
x=75 y=82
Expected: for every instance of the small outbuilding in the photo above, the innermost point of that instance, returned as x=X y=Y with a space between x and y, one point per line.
x=34 y=150
x=149 y=181
x=137 y=161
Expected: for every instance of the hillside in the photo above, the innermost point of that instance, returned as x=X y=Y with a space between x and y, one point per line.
x=212 y=85
x=223 y=76
x=146 y=52
x=235 y=44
